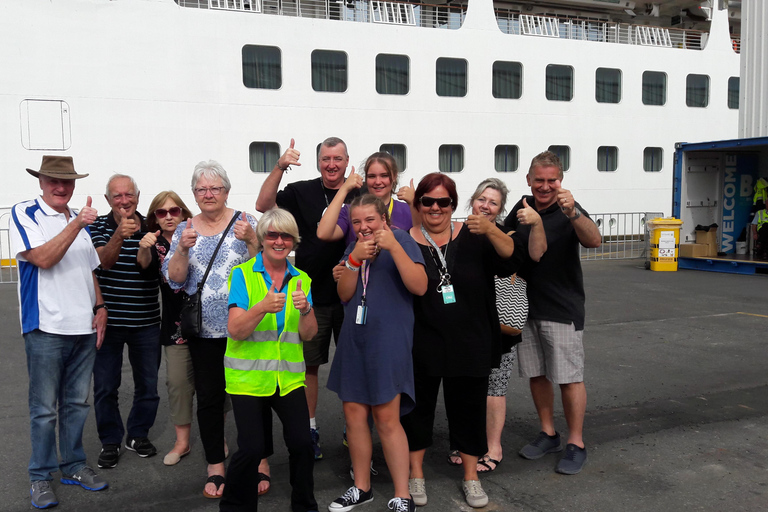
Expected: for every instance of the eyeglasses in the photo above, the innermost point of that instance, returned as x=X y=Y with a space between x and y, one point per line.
x=161 y=213
x=128 y=197
x=204 y=191
x=274 y=235
x=442 y=202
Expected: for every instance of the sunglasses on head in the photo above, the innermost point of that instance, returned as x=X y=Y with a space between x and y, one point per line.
x=274 y=235
x=161 y=213
x=442 y=202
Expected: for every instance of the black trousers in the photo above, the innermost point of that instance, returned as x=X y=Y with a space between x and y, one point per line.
x=207 y=356
x=241 y=491
x=465 y=406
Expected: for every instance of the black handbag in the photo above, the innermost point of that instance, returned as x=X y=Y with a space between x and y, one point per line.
x=191 y=317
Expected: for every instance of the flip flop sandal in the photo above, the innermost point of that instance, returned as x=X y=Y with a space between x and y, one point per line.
x=485 y=463
x=216 y=480
x=451 y=455
x=264 y=478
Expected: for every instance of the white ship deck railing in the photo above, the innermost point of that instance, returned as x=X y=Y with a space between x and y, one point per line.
x=513 y=22
x=8 y=268
x=416 y=14
x=624 y=236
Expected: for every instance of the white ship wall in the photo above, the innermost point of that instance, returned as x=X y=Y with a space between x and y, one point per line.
x=153 y=88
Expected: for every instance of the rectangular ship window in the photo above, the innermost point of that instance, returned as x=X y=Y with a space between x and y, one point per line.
x=559 y=83
x=733 y=92
x=654 y=88
x=697 y=91
x=652 y=159
x=263 y=156
x=564 y=154
x=451 y=77
x=507 y=80
x=262 y=67
x=398 y=152
x=607 y=158
x=607 y=85
x=451 y=158
x=392 y=74
x=329 y=71
x=506 y=158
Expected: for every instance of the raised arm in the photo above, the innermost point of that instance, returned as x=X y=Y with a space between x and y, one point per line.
x=108 y=254
x=586 y=229
x=480 y=225
x=537 y=239
x=413 y=274
x=144 y=255
x=268 y=192
x=51 y=252
x=327 y=229
x=179 y=264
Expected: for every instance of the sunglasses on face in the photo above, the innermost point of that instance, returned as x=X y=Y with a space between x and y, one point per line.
x=274 y=235
x=161 y=213
x=442 y=202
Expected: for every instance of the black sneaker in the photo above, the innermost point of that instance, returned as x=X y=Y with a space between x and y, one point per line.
x=350 y=499
x=110 y=453
x=542 y=445
x=573 y=460
x=141 y=445
x=401 y=505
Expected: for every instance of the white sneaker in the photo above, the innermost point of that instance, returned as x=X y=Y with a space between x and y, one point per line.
x=474 y=494
x=418 y=489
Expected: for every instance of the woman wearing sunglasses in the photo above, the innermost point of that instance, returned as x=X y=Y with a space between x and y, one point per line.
x=372 y=369
x=381 y=172
x=270 y=316
x=457 y=335
x=167 y=211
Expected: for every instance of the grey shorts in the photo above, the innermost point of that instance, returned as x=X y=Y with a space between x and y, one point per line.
x=552 y=349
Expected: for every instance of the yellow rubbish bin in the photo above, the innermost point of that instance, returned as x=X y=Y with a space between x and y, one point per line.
x=665 y=243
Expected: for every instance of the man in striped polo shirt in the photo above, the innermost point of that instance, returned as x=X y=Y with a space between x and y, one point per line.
x=130 y=293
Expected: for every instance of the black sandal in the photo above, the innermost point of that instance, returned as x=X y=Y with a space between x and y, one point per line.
x=216 y=480
x=264 y=478
x=451 y=455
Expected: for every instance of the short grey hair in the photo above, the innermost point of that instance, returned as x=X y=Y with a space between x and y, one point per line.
x=495 y=184
x=210 y=170
x=335 y=141
x=120 y=176
x=546 y=159
x=279 y=220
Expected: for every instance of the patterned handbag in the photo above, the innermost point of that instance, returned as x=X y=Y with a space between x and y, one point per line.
x=512 y=301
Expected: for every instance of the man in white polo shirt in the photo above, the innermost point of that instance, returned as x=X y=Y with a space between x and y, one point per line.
x=63 y=319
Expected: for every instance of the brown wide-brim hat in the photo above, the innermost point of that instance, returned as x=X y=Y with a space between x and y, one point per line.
x=61 y=167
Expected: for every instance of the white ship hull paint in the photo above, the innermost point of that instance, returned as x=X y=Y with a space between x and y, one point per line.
x=153 y=88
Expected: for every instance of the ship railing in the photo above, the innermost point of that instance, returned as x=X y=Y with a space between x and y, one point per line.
x=513 y=22
x=623 y=235
x=9 y=272
x=415 y=14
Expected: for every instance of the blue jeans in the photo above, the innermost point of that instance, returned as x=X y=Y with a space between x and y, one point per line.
x=59 y=368
x=144 y=355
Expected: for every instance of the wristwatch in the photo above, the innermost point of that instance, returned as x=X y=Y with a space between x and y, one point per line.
x=98 y=307
x=576 y=214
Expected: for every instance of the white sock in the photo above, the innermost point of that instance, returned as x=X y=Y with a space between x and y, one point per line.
x=313 y=423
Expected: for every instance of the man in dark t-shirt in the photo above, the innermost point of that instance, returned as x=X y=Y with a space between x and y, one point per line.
x=552 y=351
x=307 y=201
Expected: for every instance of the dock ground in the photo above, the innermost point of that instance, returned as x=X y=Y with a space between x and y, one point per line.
x=677 y=415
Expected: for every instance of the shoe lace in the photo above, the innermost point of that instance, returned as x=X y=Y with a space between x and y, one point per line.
x=541 y=440
x=352 y=495
x=42 y=485
x=398 y=505
x=86 y=471
x=474 y=487
x=570 y=454
x=418 y=486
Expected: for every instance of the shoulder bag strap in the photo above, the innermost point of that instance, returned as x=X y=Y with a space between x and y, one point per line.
x=216 y=251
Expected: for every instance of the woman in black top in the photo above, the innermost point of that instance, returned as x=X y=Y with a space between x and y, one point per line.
x=457 y=334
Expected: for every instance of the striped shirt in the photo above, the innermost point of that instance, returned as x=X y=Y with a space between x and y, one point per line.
x=129 y=291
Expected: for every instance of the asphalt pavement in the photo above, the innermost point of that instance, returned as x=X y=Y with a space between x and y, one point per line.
x=677 y=416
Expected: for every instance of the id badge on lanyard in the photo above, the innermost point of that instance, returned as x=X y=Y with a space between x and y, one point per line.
x=362 y=310
x=445 y=288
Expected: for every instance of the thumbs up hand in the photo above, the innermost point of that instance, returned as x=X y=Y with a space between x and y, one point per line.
x=300 y=301
x=479 y=224
x=128 y=225
x=406 y=193
x=87 y=215
x=274 y=301
x=353 y=181
x=385 y=239
x=290 y=157
x=565 y=200
x=243 y=229
x=188 y=236
x=148 y=240
x=365 y=248
x=527 y=215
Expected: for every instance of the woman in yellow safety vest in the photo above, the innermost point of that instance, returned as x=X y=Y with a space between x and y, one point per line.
x=270 y=314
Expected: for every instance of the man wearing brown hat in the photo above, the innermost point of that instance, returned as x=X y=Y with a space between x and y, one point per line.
x=63 y=319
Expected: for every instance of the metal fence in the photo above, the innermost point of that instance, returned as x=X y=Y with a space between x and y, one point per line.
x=8 y=268
x=624 y=236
